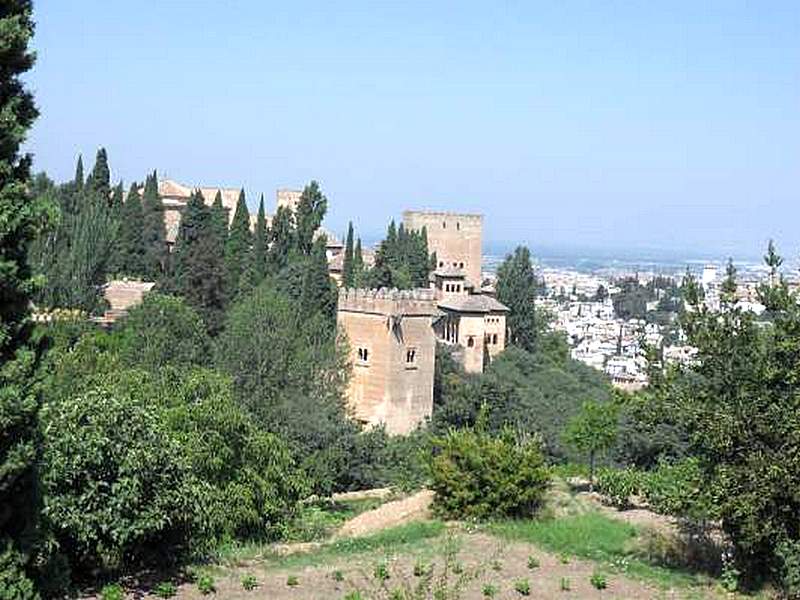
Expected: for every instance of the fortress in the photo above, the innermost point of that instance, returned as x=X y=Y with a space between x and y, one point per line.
x=393 y=334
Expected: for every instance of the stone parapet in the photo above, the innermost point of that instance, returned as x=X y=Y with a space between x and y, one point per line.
x=384 y=301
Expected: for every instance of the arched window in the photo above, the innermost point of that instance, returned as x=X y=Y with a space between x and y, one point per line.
x=470 y=342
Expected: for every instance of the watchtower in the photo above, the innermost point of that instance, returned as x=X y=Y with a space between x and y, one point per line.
x=456 y=238
x=392 y=351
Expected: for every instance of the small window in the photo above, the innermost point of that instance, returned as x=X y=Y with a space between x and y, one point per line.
x=458 y=225
x=363 y=355
x=470 y=342
x=461 y=265
x=494 y=339
x=441 y=263
x=411 y=358
x=444 y=224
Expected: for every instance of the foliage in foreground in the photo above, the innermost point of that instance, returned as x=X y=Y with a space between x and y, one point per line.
x=476 y=475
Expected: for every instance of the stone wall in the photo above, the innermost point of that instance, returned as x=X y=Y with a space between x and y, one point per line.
x=392 y=352
x=456 y=238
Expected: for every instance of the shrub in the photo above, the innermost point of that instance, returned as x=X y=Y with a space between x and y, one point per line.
x=478 y=476
x=533 y=562
x=206 y=584
x=165 y=589
x=598 y=581
x=489 y=590
x=112 y=591
x=522 y=587
x=115 y=481
x=249 y=582
x=678 y=489
x=421 y=568
x=337 y=576
x=381 y=571
x=292 y=581
x=565 y=584
x=618 y=485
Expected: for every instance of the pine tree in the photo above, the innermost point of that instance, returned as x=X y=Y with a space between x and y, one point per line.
x=130 y=240
x=154 y=231
x=310 y=212
x=348 y=279
x=21 y=216
x=78 y=180
x=237 y=246
x=100 y=178
x=358 y=265
x=199 y=274
x=260 y=245
x=281 y=236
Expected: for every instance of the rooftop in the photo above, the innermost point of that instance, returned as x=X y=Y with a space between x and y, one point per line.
x=478 y=303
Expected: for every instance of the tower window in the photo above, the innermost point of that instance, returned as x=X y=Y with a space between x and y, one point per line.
x=411 y=358
x=494 y=339
x=363 y=355
x=444 y=224
x=470 y=342
x=458 y=225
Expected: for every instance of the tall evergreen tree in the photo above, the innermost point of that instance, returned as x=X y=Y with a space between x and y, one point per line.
x=219 y=218
x=260 y=244
x=238 y=246
x=78 y=180
x=154 y=231
x=115 y=209
x=281 y=239
x=100 y=178
x=20 y=218
x=130 y=240
x=310 y=212
x=358 y=265
x=318 y=290
x=728 y=287
x=348 y=279
x=517 y=288
x=199 y=274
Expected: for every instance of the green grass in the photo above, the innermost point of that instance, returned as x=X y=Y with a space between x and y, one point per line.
x=405 y=538
x=595 y=537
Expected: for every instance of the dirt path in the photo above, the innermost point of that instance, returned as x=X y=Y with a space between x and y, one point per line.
x=391 y=514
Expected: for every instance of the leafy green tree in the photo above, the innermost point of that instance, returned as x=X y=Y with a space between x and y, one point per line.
x=163 y=331
x=593 y=432
x=130 y=241
x=154 y=232
x=199 y=272
x=348 y=263
x=115 y=481
x=310 y=211
x=517 y=288
x=289 y=371
x=21 y=216
x=237 y=246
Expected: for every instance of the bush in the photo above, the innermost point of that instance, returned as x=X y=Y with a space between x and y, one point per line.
x=166 y=589
x=522 y=587
x=478 y=476
x=678 y=489
x=249 y=582
x=618 y=485
x=598 y=581
x=115 y=481
x=206 y=584
x=112 y=591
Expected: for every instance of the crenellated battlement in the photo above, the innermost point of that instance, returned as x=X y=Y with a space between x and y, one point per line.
x=384 y=301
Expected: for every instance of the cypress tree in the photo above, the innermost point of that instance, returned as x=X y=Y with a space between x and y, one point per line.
x=100 y=179
x=21 y=216
x=318 y=291
x=219 y=218
x=260 y=242
x=310 y=212
x=237 y=246
x=728 y=287
x=154 y=231
x=516 y=288
x=199 y=274
x=348 y=279
x=115 y=210
x=358 y=265
x=78 y=181
x=130 y=238
x=281 y=236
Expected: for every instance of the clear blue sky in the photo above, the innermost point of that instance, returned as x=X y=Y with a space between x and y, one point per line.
x=595 y=124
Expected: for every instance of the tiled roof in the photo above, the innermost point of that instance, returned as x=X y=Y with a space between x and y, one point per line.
x=477 y=303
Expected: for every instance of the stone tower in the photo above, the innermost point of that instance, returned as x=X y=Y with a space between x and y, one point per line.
x=288 y=198
x=392 y=351
x=456 y=238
